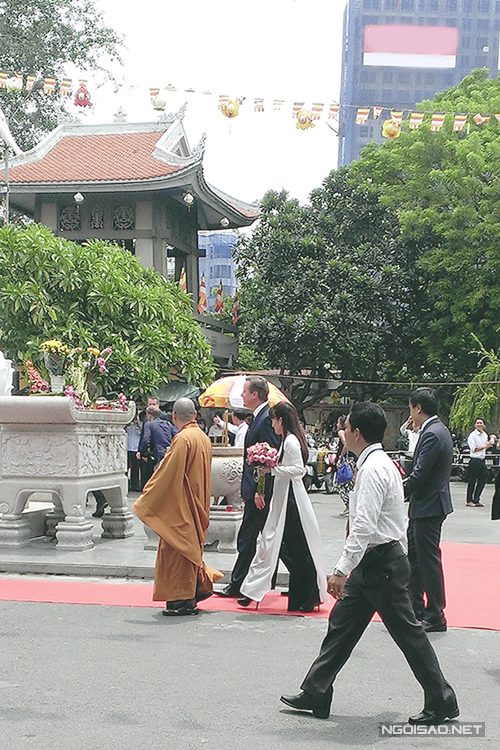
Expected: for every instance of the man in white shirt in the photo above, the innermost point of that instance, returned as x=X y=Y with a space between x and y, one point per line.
x=239 y=426
x=371 y=576
x=478 y=442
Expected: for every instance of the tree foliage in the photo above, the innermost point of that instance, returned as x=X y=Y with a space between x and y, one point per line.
x=98 y=295
x=445 y=189
x=480 y=397
x=323 y=286
x=44 y=37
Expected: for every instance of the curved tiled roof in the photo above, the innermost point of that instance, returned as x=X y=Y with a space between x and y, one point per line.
x=97 y=157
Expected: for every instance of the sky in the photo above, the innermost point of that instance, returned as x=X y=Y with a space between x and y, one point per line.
x=276 y=49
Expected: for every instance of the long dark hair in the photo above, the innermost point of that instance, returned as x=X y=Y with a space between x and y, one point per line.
x=291 y=425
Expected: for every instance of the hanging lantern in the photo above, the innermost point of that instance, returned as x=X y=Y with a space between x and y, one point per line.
x=159 y=103
x=82 y=96
x=391 y=130
x=230 y=108
x=14 y=84
x=304 y=120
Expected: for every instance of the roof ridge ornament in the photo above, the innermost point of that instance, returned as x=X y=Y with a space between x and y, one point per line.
x=182 y=111
x=120 y=115
x=199 y=150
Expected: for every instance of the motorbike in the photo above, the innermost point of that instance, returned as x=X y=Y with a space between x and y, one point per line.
x=331 y=467
x=312 y=477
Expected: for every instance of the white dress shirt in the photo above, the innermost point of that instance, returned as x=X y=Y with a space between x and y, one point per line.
x=475 y=440
x=376 y=507
x=239 y=433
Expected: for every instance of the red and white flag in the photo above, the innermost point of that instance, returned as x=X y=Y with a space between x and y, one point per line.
x=334 y=110
x=480 y=119
x=377 y=111
x=202 y=297
x=459 y=123
x=219 y=299
x=182 y=280
x=362 y=115
x=437 y=121
x=411 y=46
x=416 y=119
x=236 y=309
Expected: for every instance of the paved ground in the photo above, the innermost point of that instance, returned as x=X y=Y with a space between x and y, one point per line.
x=93 y=677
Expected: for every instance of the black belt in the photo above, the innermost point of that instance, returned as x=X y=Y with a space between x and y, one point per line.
x=380 y=551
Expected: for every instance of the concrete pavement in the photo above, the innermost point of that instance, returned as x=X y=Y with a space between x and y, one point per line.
x=96 y=677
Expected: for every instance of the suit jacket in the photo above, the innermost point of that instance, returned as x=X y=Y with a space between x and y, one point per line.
x=260 y=431
x=428 y=486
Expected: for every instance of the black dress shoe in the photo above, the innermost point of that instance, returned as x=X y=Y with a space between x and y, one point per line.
x=448 y=710
x=230 y=592
x=306 y=702
x=181 y=607
x=434 y=626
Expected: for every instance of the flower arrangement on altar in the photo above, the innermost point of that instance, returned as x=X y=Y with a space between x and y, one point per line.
x=71 y=372
x=262 y=457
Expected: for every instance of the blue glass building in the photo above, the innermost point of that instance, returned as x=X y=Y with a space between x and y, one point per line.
x=385 y=64
x=217 y=264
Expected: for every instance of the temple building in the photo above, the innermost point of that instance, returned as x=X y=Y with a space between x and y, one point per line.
x=138 y=185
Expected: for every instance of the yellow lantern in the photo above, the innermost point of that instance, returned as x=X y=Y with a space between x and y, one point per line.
x=304 y=120
x=391 y=130
x=230 y=108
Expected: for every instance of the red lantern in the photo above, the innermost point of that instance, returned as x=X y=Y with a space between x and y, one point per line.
x=82 y=96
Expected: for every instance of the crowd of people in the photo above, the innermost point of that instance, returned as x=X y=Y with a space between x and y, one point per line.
x=387 y=565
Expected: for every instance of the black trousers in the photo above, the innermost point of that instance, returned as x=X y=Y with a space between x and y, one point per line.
x=378 y=584
x=134 y=482
x=251 y=525
x=495 y=505
x=478 y=473
x=147 y=470
x=424 y=554
x=303 y=585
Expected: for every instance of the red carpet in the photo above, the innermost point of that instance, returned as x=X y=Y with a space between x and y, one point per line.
x=471 y=573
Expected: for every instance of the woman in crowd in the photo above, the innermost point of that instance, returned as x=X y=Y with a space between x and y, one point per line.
x=291 y=530
x=345 y=488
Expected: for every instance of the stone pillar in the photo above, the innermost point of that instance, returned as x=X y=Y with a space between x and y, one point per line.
x=74 y=534
x=48 y=215
x=144 y=252
x=119 y=523
x=15 y=530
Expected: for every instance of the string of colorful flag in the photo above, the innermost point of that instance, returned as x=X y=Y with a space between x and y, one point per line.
x=202 y=305
x=392 y=126
x=305 y=116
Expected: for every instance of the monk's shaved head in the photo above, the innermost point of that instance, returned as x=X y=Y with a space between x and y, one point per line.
x=184 y=410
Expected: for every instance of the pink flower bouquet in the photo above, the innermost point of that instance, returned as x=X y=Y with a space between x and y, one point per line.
x=261 y=455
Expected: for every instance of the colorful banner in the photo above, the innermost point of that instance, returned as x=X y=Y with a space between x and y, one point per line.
x=416 y=119
x=362 y=115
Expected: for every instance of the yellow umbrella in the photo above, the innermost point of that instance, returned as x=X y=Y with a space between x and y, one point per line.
x=228 y=391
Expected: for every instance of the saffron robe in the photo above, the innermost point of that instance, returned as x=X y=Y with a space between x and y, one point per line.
x=175 y=503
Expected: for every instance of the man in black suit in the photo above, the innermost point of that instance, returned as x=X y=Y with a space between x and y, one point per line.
x=255 y=395
x=428 y=491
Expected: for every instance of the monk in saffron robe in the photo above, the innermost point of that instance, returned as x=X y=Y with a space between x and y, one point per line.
x=175 y=503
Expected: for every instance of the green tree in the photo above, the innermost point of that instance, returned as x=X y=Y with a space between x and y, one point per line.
x=44 y=37
x=323 y=287
x=481 y=396
x=98 y=295
x=445 y=190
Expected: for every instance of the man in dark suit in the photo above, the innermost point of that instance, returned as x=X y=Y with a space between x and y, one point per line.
x=428 y=491
x=255 y=394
